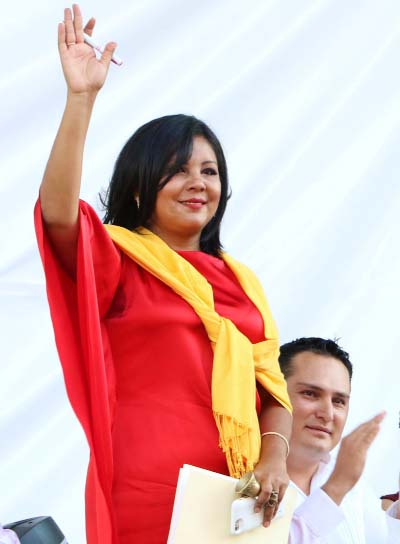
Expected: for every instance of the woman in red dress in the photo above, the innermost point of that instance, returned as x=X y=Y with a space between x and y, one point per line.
x=161 y=335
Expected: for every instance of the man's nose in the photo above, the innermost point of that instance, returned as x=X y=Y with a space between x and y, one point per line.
x=325 y=410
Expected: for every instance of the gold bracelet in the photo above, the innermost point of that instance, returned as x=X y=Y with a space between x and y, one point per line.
x=280 y=436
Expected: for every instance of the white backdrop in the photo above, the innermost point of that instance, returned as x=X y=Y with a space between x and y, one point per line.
x=304 y=95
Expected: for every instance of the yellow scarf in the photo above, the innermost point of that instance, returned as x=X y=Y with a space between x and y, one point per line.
x=237 y=362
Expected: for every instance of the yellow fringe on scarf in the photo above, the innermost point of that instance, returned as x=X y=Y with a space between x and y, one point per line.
x=237 y=363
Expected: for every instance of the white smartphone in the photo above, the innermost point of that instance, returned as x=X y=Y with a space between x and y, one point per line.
x=243 y=517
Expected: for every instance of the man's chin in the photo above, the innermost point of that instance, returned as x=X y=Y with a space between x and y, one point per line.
x=319 y=450
x=325 y=457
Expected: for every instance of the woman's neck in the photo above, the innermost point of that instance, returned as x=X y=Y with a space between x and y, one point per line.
x=177 y=242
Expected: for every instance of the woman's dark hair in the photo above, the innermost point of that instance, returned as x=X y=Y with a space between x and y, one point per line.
x=155 y=152
x=322 y=346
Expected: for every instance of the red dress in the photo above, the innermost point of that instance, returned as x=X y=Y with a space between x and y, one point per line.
x=155 y=371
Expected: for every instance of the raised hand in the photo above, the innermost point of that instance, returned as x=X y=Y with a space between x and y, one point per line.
x=351 y=458
x=83 y=72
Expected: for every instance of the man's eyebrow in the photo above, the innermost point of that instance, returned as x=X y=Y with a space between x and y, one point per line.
x=317 y=388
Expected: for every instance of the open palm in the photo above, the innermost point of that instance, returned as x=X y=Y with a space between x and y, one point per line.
x=83 y=72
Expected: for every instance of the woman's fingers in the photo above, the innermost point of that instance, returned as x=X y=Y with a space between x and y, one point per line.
x=89 y=26
x=62 y=46
x=108 y=53
x=78 y=25
x=83 y=71
x=271 y=507
x=70 y=38
x=74 y=25
x=269 y=500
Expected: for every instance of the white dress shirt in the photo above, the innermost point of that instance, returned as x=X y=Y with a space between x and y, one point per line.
x=8 y=537
x=358 y=520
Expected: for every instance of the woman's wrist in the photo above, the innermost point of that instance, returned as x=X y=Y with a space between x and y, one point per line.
x=82 y=99
x=274 y=437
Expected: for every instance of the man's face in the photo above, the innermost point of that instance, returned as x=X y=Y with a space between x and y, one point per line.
x=319 y=390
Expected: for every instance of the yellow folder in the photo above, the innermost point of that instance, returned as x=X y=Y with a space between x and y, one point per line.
x=202 y=512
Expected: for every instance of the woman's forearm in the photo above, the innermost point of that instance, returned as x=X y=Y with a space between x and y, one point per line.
x=274 y=418
x=59 y=191
x=60 y=188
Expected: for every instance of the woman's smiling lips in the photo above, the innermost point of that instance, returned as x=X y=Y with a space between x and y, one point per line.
x=193 y=203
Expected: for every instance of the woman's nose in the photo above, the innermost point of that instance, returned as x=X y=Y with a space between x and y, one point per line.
x=196 y=181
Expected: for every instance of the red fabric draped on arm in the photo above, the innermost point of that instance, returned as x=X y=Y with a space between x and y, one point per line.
x=76 y=311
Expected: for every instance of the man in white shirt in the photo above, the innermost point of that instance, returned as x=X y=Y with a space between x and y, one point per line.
x=335 y=505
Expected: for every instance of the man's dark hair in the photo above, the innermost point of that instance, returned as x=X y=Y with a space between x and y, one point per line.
x=148 y=160
x=321 y=346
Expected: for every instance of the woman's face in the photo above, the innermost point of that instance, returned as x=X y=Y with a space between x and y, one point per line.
x=189 y=200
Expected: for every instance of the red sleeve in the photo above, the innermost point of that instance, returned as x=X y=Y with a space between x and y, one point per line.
x=77 y=308
x=96 y=247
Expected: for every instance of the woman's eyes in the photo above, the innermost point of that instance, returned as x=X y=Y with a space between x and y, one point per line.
x=210 y=172
x=207 y=171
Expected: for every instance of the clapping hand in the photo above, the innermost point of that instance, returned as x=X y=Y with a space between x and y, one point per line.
x=351 y=458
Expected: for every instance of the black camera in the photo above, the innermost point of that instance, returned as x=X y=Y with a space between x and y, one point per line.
x=40 y=530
